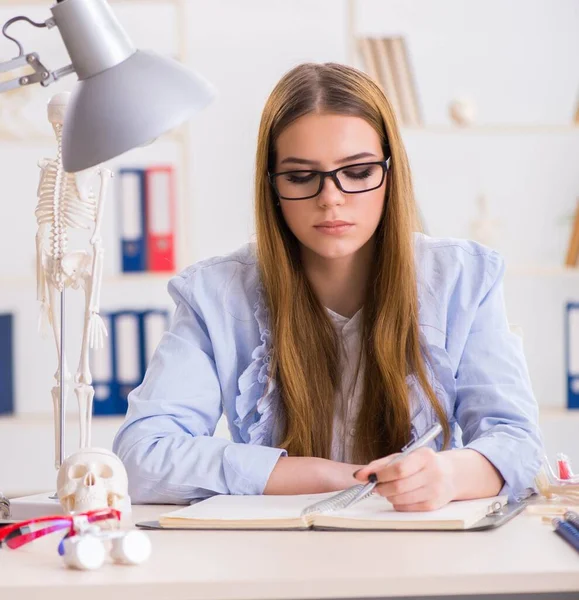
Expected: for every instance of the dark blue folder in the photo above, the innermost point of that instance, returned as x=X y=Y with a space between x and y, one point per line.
x=132 y=219
x=6 y=365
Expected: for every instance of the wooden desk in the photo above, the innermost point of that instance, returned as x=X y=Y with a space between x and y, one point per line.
x=523 y=556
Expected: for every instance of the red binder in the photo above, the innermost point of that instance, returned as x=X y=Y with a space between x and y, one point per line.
x=160 y=203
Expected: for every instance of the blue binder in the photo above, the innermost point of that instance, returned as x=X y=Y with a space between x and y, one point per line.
x=572 y=353
x=102 y=365
x=133 y=335
x=132 y=219
x=130 y=362
x=6 y=365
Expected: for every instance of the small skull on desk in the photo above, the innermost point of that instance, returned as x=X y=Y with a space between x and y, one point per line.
x=92 y=478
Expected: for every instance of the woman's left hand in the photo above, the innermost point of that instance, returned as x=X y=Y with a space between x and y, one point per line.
x=423 y=480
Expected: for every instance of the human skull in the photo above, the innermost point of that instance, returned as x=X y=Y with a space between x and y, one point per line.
x=57 y=107
x=92 y=478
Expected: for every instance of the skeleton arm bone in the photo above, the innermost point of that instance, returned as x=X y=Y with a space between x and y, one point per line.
x=41 y=284
x=43 y=163
x=97 y=329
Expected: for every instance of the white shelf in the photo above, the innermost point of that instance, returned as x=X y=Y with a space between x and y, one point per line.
x=493 y=129
x=531 y=270
x=552 y=413
x=25 y=3
x=41 y=139
x=517 y=270
x=119 y=278
x=46 y=420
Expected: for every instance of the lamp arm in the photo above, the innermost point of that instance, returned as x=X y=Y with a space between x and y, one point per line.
x=40 y=73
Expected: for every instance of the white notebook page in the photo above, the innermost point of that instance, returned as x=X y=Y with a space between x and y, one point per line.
x=251 y=508
x=244 y=508
x=377 y=508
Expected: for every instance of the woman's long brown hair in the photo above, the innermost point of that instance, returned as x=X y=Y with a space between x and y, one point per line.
x=305 y=351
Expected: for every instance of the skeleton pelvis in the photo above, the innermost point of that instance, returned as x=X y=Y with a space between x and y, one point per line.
x=74 y=266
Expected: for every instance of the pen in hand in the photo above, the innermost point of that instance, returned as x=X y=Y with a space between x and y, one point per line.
x=422 y=441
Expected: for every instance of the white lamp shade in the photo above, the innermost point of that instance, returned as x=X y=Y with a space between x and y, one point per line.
x=128 y=105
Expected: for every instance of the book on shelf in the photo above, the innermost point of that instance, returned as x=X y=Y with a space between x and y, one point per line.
x=573 y=246
x=160 y=217
x=366 y=47
x=6 y=364
x=405 y=83
x=290 y=512
x=384 y=59
x=387 y=61
x=572 y=353
x=147 y=200
x=131 y=201
x=120 y=366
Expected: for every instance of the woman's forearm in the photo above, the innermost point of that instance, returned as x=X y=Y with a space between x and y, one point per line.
x=308 y=475
x=474 y=476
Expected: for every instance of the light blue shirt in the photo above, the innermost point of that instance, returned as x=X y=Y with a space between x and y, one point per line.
x=215 y=360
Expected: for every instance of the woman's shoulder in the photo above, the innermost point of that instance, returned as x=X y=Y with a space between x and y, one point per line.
x=446 y=262
x=244 y=256
x=230 y=281
x=453 y=278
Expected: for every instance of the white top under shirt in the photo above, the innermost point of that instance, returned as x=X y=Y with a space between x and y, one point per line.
x=349 y=394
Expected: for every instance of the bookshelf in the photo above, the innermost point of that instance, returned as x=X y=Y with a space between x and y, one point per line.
x=439 y=29
x=519 y=152
x=39 y=134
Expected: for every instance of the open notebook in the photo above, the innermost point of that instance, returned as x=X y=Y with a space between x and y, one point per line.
x=285 y=512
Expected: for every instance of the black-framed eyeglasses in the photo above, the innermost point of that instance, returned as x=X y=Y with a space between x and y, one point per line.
x=351 y=179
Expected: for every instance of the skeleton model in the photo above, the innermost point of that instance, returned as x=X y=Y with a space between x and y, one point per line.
x=64 y=203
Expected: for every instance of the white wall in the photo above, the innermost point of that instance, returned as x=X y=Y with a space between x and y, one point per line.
x=516 y=62
x=245 y=47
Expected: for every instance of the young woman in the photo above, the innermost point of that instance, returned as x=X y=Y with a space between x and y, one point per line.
x=339 y=336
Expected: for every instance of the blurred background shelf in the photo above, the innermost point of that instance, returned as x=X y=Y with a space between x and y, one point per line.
x=541 y=270
x=47 y=139
x=119 y=278
x=28 y=471
x=499 y=129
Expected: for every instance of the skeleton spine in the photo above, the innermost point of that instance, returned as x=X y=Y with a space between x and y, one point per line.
x=58 y=235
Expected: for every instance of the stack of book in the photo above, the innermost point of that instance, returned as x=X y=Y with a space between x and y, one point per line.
x=387 y=61
x=146 y=199
x=120 y=366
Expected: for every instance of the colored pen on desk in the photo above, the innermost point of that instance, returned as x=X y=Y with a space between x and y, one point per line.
x=572 y=518
x=567 y=532
x=422 y=441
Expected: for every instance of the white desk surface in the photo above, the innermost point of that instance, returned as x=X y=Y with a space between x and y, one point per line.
x=523 y=556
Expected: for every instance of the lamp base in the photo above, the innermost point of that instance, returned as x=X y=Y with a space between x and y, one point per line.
x=43 y=505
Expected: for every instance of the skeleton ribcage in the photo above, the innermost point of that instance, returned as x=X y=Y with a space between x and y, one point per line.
x=60 y=206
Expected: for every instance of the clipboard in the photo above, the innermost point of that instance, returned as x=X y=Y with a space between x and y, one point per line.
x=497 y=516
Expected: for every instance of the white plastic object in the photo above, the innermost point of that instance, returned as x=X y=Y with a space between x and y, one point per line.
x=84 y=552
x=462 y=111
x=132 y=548
x=92 y=478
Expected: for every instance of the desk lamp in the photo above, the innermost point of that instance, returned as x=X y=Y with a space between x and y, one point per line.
x=124 y=98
